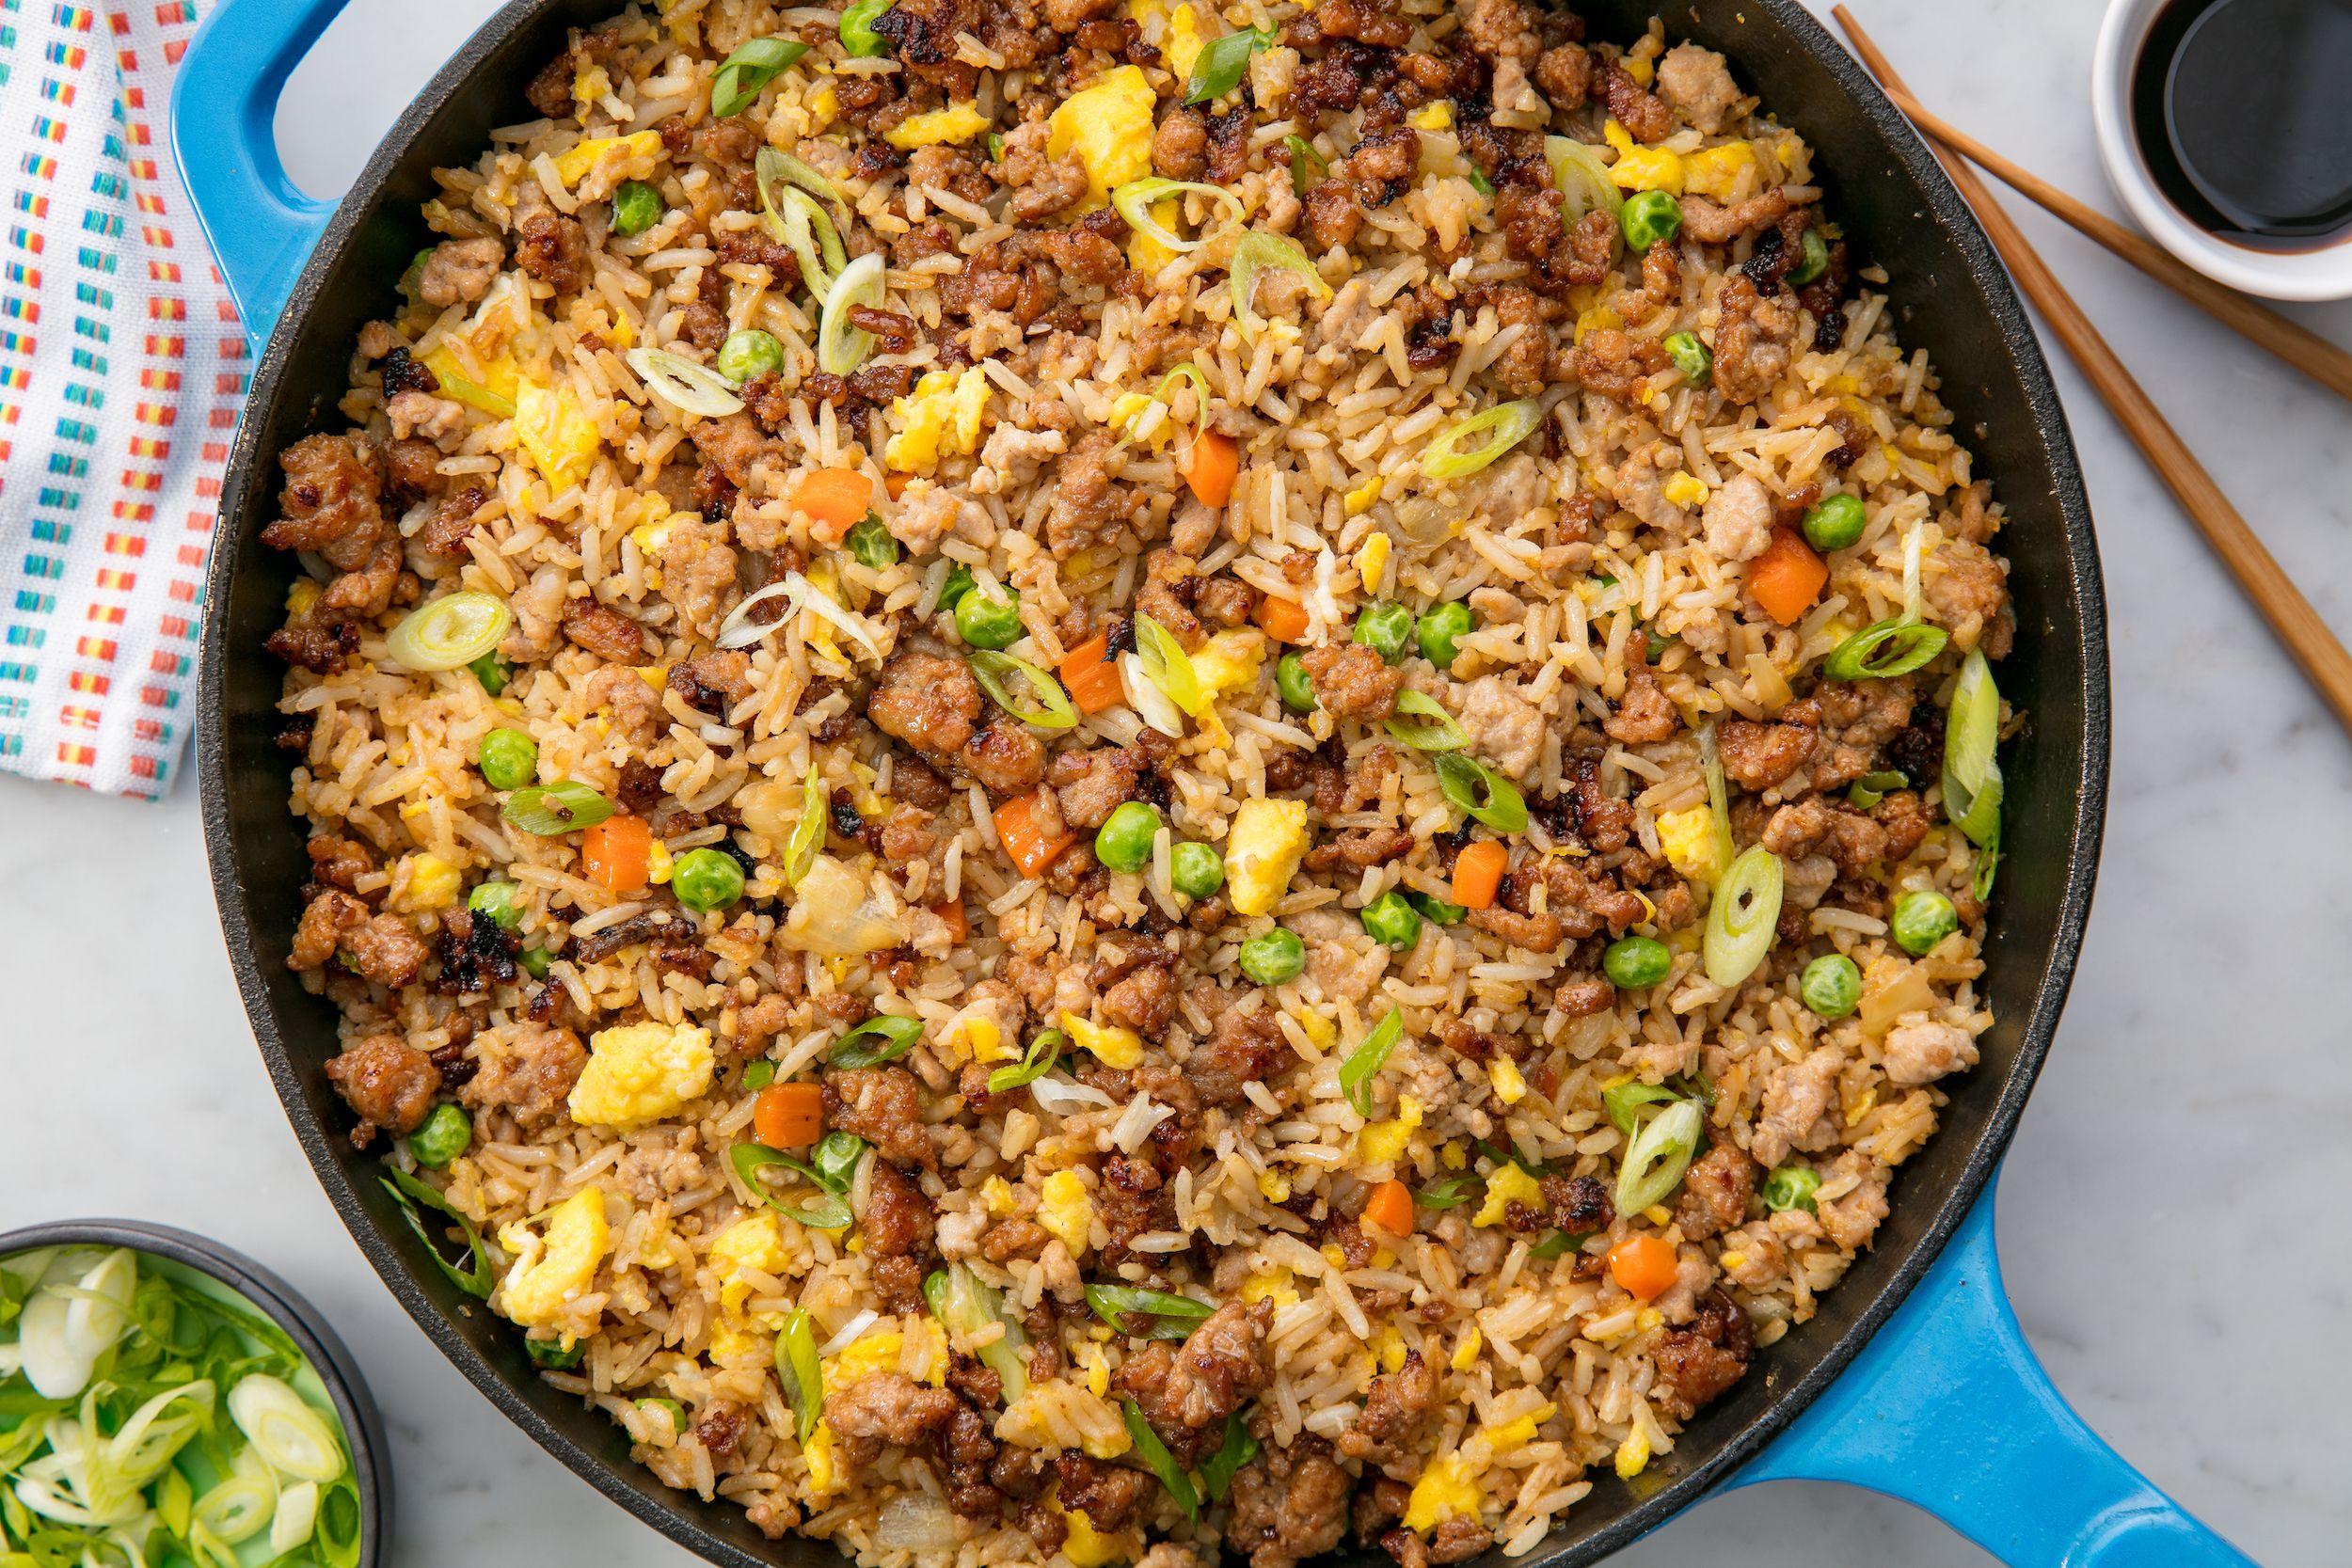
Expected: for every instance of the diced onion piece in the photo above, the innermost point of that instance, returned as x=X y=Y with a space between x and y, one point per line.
x=450 y=632
x=688 y=387
x=297 y=1515
x=801 y=1372
x=916 y=1522
x=1584 y=180
x=1424 y=724
x=1660 y=1151
x=1504 y=426
x=284 y=1430
x=1150 y=703
x=1167 y=665
x=1064 y=1098
x=1739 y=922
x=1258 y=251
x=990 y=667
x=1137 y=197
x=841 y=347
x=836 y=914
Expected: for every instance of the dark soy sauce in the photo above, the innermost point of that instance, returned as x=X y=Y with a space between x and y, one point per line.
x=2243 y=110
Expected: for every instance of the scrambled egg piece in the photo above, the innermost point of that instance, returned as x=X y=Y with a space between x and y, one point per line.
x=997 y=1192
x=302 y=597
x=1685 y=490
x=1508 y=1186
x=1688 y=839
x=1184 y=42
x=940 y=418
x=751 y=1244
x=1371 y=562
x=1466 y=1354
x=493 y=393
x=947 y=127
x=1633 y=1454
x=1512 y=1434
x=878 y=1351
x=1360 y=499
x=641 y=1073
x=432 y=884
x=1597 y=318
x=1274 y=1284
x=1509 y=1082
x=1109 y=126
x=549 y=1270
x=1228 y=661
x=1273 y=1186
x=1382 y=1142
x=1087 y=1547
x=1642 y=168
x=980 y=1039
x=1715 y=173
x=1444 y=1491
x=825 y=1474
x=558 y=434
x=1268 y=841
x=1388 y=1346
x=1065 y=1208
x=1112 y=1046
x=1437 y=117
x=630 y=157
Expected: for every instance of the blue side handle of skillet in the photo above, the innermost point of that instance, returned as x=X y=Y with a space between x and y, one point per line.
x=262 y=226
x=1946 y=1409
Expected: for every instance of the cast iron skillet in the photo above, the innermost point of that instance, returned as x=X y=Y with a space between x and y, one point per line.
x=309 y=274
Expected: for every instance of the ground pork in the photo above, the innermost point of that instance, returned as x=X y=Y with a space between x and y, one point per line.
x=1851 y=1221
x=929 y=701
x=460 y=272
x=1644 y=714
x=1352 y=681
x=604 y=632
x=553 y=249
x=1289 y=1504
x=1739 y=518
x=1923 y=1051
x=1754 y=338
x=1505 y=730
x=886 y=1407
x=330 y=503
x=1797 y=1100
x=1715 y=1191
x=884 y=1107
x=1388 y=1432
x=529 y=1078
x=1697 y=1364
x=1697 y=83
x=387 y=1083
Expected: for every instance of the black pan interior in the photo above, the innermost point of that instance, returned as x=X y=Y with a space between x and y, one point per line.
x=1951 y=297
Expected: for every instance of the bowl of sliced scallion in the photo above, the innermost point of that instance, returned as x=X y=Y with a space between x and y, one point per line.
x=166 y=1402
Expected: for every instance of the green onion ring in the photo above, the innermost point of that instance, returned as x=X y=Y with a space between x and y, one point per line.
x=989 y=668
x=1660 y=1154
x=1043 y=1051
x=1625 y=1101
x=1739 y=923
x=1258 y=251
x=551 y=811
x=1363 y=1064
x=897 y=1036
x=742 y=74
x=1437 y=730
x=1718 y=794
x=808 y=832
x=1303 y=158
x=841 y=348
x=1512 y=422
x=830 y=1212
x=453 y=630
x=1168 y=666
x=1584 y=180
x=688 y=387
x=1219 y=68
x=1137 y=197
x=801 y=1372
x=1885 y=650
x=1483 y=793
x=1173 y=1316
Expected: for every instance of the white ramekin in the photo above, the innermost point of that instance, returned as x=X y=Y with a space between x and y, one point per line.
x=2324 y=272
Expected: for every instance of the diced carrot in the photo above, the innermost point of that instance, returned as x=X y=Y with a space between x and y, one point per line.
x=1030 y=849
x=1284 y=620
x=1644 y=1265
x=835 y=500
x=1478 y=874
x=1788 y=576
x=1091 y=676
x=958 y=924
x=1216 y=463
x=617 y=852
x=788 y=1115
x=1391 y=1207
x=895 y=485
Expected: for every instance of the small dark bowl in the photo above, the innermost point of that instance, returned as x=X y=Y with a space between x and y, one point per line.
x=355 y=1407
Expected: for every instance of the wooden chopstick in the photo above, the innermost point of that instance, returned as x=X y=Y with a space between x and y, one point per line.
x=2291 y=616
x=2316 y=358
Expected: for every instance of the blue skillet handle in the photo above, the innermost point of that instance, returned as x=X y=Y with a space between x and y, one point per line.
x=223 y=132
x=1948 y=1409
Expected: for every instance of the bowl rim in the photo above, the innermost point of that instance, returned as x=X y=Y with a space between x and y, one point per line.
x=667 y=1512
x=329 y=1358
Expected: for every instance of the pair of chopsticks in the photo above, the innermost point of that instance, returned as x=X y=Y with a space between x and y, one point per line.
x=2281 y=604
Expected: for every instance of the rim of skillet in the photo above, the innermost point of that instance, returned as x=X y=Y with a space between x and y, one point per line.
x=337 y=1370
x=1947 y=210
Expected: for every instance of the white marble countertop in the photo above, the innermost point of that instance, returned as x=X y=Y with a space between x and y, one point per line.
x=2163 y=1239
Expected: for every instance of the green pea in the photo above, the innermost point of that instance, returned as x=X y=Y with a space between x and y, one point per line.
x=509 y=759
x=1273 y=956
x=1441 y=631
x=1814 y=258
x=1392 y=921
x=1648 y=218
x=442 y=1136
x=1123 y=842
x=1384 y=628
x=1296 y=686
x=1196 y=870
x=959 y=583
x=636 y=207
x=1923 y=918
x=857 y=29
x=871 y=543
x=1791 y=1187
x=551 y=1354
x=536 y=961
x=706 y=880
x=748 y=355
x=499 y=901
x=1694 y=359
x=986 y=622
x=490 y=673
x=1636 y=963
x=1437 y=910
x=1835 y=523
x=1830 y=986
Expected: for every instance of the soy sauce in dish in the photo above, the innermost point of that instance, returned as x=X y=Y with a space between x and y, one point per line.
x=2242 y=112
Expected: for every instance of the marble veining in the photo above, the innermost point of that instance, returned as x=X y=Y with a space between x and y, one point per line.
x=2167 y=1218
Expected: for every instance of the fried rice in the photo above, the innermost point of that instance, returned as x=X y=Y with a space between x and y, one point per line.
x=1190 y=461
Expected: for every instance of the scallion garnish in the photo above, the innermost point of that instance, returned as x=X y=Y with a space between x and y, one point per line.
x=454 y=629
x=1791 y=1187
x=1137 y=197
x=1167 y=665
x=894 y=1036
x=1584 y=181
x=1869 y=790
x=1160 y=1461
x=1660 y=1154
x=1363 y=1064
x=808 y=833
x=760 y=1074
x=1424 y=725
x=1484 y=794
x=1972 y=730
x=966 y=1307
x=551 y=811
x=1043 y=1051
x=1740 y=921
x=1218 y=1470
x=830 y=1212
x=1626 y=1100
x=1258 y=251
x=477 y=1281
x=1718 y=794
x=990 y=666
x=1307 y=164
x=1146 y=1314
x=842 y=347
x=1448 y=1192
x=1885 y=650
x=751 y=67
x=801 y=1372
x=688 y=387
x=1218 y=70
x=1502 y=427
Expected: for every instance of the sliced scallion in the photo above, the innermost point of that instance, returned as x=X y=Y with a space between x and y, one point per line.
x=808 y=833
x=1167 y=665
x=1424 y=725
x=408 y=1191
x=688 y=387
x=1219 y=1468
x=1972 y=730
x=1447 y=1192
x=1583 y=180
x=1869 y=790
x=1718 y=794
x=1625 y=1101
x=1739 y=922
x=1363 y=1064
x=1885 y=650
x=1160 y=1461
x=990 y=666
x=1137 y=197
x=1499 y=429
x=453 y=630
x=1307 y=164
x=551 y=811
x=842 y=347
x=801 y=1372
x=966 y=1306
x=892 y=1037
x=751 y=67
x=830 y=1212
x=1258 y=251
x=1042 y=1053
x=1146 y=1314
x=1484 y=794
x=1659 y=1156
x=1150 y=703
x=1218 y=70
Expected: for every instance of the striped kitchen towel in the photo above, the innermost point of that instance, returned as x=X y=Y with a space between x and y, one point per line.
x=121 y=370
